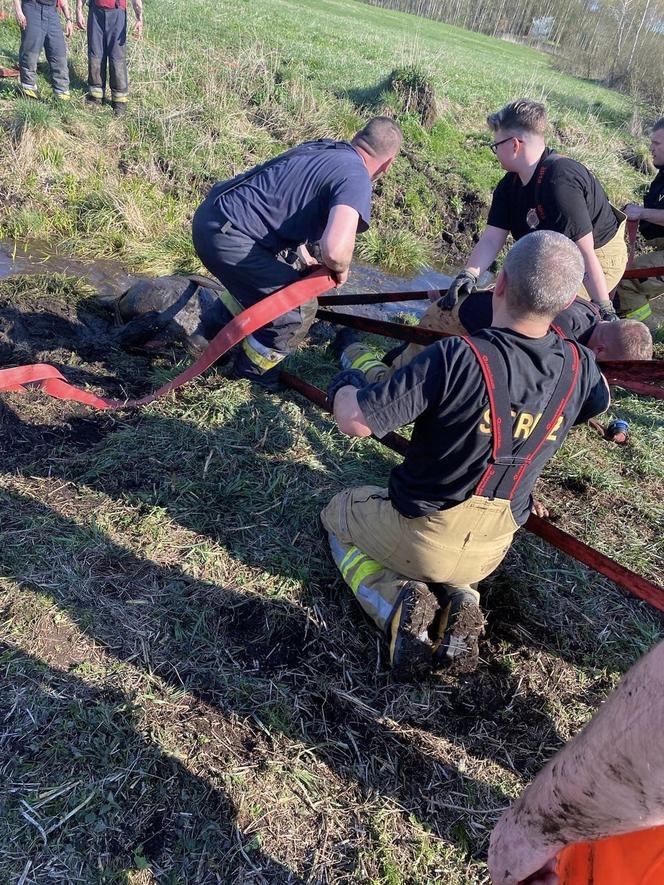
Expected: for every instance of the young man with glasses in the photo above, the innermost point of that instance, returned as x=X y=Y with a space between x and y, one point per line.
x=543 y=190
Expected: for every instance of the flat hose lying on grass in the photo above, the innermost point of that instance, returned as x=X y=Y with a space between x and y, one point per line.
x=52 y=382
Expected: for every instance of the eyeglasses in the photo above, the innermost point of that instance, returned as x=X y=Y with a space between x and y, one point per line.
x=494 y=147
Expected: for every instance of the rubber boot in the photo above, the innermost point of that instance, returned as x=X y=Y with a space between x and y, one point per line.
x=410 y=645
x=459 y=629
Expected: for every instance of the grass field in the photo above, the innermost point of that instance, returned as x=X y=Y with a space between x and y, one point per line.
x=189 y=694
x=219 y=86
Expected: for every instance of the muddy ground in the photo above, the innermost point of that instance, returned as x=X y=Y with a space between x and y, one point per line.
x=166 y=564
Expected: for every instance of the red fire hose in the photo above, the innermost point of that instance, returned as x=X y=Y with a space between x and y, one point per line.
x=49 y=380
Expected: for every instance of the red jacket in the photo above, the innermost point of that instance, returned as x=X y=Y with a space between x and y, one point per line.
x=110 y=4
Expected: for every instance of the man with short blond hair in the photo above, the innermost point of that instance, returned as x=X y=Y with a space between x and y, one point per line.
x=542 y=190
x=489 y=411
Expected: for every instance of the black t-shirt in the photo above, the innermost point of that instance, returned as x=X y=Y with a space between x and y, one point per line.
x=577 y=321
x=566 y=198
x=288 y=201
x=654 y=199
x=444 y=393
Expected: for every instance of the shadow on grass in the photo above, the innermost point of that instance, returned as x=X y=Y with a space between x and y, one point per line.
x=82 y=772
x=233 y=483
x=261 y=667
x=371 y=97
x=599 y=109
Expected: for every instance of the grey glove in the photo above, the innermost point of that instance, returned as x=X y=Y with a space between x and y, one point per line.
x=462 y=284
x=607 y=311
x=345 y=377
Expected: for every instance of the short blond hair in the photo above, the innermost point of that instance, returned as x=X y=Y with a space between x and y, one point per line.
x=520 y=116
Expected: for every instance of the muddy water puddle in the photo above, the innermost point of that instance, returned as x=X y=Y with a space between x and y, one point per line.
x=110 y=278
x=106 y=276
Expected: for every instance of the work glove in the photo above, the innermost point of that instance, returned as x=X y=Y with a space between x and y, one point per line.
x=462 y=284
x=342 y=379
x=607 y=311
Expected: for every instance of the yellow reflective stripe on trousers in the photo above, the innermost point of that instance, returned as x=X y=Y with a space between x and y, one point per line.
x=260 y=355
x=231 y=303
x=641 y=313
x=366 y=361
x=369 y=567
x=350 y=560
x=363 y=565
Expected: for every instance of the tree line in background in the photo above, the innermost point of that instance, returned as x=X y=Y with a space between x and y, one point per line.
x=619 y=42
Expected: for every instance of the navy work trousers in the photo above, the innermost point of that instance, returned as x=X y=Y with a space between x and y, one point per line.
x=251 y=272
x=43 y=31
x=107 y=49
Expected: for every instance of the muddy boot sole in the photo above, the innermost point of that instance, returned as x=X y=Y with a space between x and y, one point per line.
x=459 y=651
x=412 y=648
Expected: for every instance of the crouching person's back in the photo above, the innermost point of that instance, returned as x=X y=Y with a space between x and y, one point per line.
x=413 y=553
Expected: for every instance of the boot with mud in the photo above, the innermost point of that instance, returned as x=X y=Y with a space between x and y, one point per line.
x=30 y=92
x=460 y=627
x=410 y=645
x=343 y=339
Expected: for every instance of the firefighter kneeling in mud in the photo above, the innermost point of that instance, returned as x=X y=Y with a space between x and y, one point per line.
x=414 y=553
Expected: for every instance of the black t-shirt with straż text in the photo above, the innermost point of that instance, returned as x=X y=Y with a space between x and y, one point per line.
x=577 y=321
x=569 y=200
x=443 y=391
x=654 y=199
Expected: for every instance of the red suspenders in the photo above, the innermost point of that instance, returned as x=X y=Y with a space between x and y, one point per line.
x=506 y=469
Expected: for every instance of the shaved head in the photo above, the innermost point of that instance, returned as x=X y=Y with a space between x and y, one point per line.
x=381 y=138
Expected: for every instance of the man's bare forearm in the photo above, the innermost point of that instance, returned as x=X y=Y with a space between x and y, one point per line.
x=609 y=779
x=654 y=216
x=487 y=248
x=593 y=278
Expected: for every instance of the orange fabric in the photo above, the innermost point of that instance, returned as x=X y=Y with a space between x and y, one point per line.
x=632 y=859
